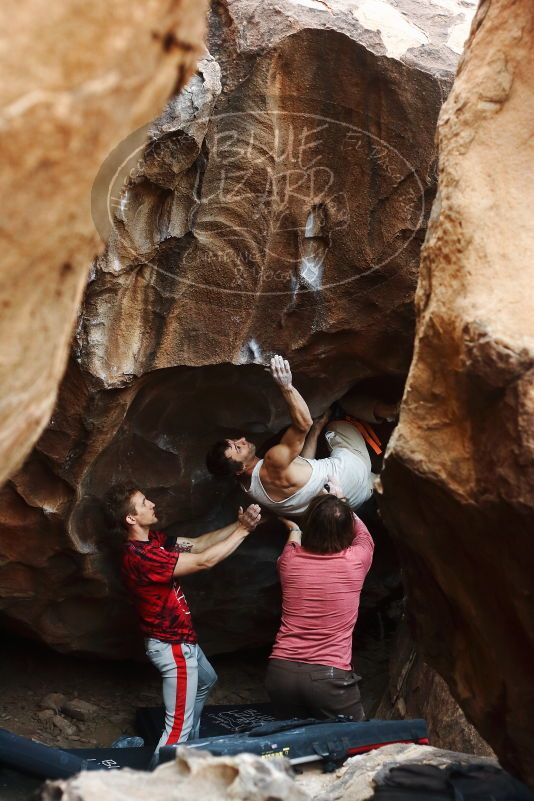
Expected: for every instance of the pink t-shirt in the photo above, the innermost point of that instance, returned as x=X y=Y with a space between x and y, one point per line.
x=321 y=595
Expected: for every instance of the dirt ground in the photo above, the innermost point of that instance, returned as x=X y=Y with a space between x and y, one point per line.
x=31 y=674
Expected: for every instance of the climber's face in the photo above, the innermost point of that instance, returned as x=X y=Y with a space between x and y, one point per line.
x=240 y=450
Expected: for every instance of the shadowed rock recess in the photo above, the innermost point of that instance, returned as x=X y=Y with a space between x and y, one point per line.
x=460 y=471
x=279 y=207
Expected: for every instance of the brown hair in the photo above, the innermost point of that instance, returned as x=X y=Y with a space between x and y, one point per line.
x=219 y=464
x=328 y=526
x=118 y=504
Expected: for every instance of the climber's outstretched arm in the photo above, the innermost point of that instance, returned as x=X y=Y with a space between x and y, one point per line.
x=290 y=446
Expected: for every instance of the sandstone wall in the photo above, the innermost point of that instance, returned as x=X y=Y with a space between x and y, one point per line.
x=76 y=78
x=416 y=691
x=460 y=471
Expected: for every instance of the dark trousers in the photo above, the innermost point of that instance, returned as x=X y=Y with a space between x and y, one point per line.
x=300 y=690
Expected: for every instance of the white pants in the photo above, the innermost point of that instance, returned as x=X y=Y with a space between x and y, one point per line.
x=350 y=462
x=187 y=680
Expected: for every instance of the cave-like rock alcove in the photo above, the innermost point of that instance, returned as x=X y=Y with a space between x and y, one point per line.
x=279 y=206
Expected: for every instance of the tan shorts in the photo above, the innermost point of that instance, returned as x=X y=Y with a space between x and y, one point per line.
x=351 y=460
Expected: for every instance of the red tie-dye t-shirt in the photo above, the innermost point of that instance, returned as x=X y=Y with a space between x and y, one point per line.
x=147 y=569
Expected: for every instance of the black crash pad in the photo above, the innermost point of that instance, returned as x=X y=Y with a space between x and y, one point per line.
x=114 y=758
x=33 y=758
x=311 y=740
x=216 y=720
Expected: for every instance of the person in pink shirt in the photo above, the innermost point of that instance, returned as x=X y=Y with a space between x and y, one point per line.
x=322 y=570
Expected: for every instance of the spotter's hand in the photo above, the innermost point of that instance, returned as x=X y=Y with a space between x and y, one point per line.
x=249 y=518
x=333 y=488
x=281 y=372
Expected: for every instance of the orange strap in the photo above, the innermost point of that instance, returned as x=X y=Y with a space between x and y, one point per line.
x=367 y=433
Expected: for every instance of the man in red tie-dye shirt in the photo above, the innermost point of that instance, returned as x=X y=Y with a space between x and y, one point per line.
x=151 y=572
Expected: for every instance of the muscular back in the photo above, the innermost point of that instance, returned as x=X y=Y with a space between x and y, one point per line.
x=282 y=482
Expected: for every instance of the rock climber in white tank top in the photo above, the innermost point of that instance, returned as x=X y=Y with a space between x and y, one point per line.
x=289 y=476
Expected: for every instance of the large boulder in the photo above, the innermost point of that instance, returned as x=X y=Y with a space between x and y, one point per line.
x=279 y=205
x=460 y=471
x=76 y=78
x=194 y=774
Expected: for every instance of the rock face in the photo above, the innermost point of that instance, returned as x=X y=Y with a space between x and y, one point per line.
x=194 y=774
x=279 y=206
x=280 y=202
x=460 y=470
x=93 y=76
x=417 y=691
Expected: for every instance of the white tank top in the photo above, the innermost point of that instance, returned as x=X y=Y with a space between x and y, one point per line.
x=350 y=468
x=297 y=503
